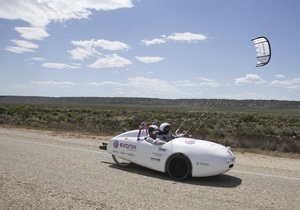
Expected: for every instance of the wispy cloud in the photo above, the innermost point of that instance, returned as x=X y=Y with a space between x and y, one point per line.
x=80 y=53
x=53 y=84
x=187 y=37
x=291 y=84
x=32 y=33
x=90 y=48
x=187 y=83
x=151 y=86
x=148 y=59
x=209 y=82
x=110 y=61
x=21 y=46
x=38 y=59
x=279 y=76
x=249 y=79
x=60 y=66
x=40 y=13
x=153 y=41
x=103 y=44
x=107 y=83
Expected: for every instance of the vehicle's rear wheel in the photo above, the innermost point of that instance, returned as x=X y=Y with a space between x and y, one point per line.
x=178 y=167
x=120 y=162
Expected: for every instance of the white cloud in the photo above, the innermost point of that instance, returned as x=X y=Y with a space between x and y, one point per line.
x=22 y=46
x=101 y=43
x=82 y=53
x=38 y=59
x=279 y=76
x=16 y=49
x=141 y=86
x=209 y=82
x=105 y=5
x=153 y=41
x=291 y=84
x=88 y=48
x=180 y=37
x=187 y=37
x=39 y=13
x=187 y=83
x=110 y=61
x=60 y=66
x=32 y=32
x=105 y=83
x=154 y=86
x=205 y=79
x=249 y=79
x=146 y=59
x=53 y=84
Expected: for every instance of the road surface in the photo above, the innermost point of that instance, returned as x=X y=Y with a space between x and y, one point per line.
x=48 y=170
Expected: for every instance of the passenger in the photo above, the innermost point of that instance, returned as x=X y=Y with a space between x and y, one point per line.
x=165 y=134
x=152 y=138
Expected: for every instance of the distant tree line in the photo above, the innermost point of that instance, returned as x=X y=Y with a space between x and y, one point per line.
x=204 y=103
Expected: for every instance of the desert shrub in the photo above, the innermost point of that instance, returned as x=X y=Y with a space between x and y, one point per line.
x=3 y=110
x=267 y=131
x=5 y=119
x=248 y=118
x=219 y=133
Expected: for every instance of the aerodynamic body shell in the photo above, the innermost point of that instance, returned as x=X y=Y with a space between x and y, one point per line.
x=205 y=158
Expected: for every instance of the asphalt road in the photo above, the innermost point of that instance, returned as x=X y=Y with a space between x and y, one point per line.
x=46 y=170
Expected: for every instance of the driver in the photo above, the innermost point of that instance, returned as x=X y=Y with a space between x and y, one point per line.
x=152 y=138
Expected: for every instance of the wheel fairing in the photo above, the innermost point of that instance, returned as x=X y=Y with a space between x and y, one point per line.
x=178 y=166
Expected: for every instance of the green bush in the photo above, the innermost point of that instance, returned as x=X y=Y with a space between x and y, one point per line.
x=3 y=110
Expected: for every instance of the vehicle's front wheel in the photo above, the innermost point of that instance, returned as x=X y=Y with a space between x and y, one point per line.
x=120 y=161
x=178 y=167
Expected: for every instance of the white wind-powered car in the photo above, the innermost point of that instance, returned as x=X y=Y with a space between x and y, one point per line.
x=179 y=157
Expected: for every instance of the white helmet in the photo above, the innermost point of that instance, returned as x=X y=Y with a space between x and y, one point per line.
x=165 y=128
x=153 y=129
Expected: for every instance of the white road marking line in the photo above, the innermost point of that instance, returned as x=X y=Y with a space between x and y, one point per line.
x=52 y=145
x=268 y=175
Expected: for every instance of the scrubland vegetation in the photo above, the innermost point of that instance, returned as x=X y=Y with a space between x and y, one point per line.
x=269 y=130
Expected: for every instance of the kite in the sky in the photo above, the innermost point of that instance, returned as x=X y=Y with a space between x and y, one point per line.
x=263 y=50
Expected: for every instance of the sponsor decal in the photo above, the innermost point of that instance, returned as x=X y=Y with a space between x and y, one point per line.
x=129 y=154
x=155 y=159
x=115 y=144
x=202 y=164
x=190 y=142
x=162 y=149
x=157 y=154
x=128 y=146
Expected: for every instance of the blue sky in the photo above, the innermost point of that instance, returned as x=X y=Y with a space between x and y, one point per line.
x=149 y=48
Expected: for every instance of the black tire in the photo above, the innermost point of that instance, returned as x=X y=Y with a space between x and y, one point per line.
x=120 y=161
x=178 y=167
